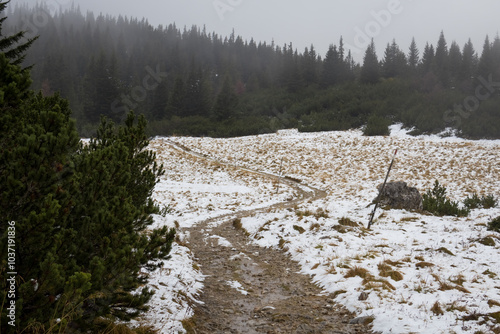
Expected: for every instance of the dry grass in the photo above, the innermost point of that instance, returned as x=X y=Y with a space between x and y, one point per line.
x=424 y=264
x=436 y=309
x=455 y=307
x=377 y=284
x=445 y=250
x=385 y=270
x=487 y=241
x=445 y=286
x=458 y=280
x=189 y=325
x=331 y=270
x=299 y=229
x=338 y=292
x=358 y=271
x=344 y=221
x=107 y=326
x=492 y=303
x=393 y=263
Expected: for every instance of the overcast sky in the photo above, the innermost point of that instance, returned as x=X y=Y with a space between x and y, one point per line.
x=319 y=22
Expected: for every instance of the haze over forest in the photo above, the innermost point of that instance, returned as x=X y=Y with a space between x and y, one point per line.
x=195 y=82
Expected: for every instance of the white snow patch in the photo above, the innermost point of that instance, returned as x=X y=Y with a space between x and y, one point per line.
x=237 y=285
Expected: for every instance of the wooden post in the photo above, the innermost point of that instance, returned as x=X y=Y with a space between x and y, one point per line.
x=381 y=191
x=279 y=176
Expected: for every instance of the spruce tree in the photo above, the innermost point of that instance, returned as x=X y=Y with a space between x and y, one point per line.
x=469 y=61
x=370 y=73
x=394 y=63
x=330 y=73
x=486 y=61
x=441 y=60
x=178 y=97
x=413 y=56
x=495 y=52
x=427 y=59
x=226 y=102
x=309 y=66
x=455 y=62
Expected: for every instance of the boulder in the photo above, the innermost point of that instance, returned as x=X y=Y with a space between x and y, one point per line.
x=397 y=195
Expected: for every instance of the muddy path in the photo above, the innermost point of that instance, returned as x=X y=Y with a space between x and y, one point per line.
x=249 y=289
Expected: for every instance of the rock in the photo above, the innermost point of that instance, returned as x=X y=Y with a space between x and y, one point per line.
x=362 y=320
x=397 y=195
x=363 y=296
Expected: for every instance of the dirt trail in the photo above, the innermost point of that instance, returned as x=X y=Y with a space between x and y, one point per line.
x=270 y=295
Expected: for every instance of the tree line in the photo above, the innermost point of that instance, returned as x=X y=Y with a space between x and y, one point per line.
x=190 y=81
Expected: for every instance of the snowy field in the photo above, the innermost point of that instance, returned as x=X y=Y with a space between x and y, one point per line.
x=414 y=273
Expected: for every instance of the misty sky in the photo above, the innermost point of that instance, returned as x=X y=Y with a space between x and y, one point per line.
x=319 y=22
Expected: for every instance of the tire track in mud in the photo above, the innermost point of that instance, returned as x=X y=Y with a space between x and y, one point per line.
x=250 y=289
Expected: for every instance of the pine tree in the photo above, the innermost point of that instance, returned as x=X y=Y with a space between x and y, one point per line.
x=291 y=77
x=394 y=63
x=370 y=73
x=115 y=176
x=469 y=61
x=35 y=187
x=413 y=56
x=177 y=101
x=441 y=60
x=199 y=92
x=225 y=105
x=12 y=46
x=455 y=62
x=101 y=89
x=330 y=72
x=309 y=66
x=427 y=59
x=486 y=61
x=495 y=52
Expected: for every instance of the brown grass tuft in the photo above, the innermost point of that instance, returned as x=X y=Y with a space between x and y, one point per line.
x=358 y=271
x=436 y=309
x=344 y=221
x=492 y=303
x=424 y=264
x=386 y=270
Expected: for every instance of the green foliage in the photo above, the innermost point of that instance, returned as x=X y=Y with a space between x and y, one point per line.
x=370 y=72
x=436 y=202
x=81 y=212
x=203 y=84
x=475 y=202
x=11 y=46
x=377 y=126
x=494 y=225
x=226 y=102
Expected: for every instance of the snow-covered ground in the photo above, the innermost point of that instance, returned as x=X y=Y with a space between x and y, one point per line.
x=422 y=274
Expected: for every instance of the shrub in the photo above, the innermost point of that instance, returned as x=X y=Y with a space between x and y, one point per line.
x=436 y=202
x=494 y=225
x=476 y=202
x=377 y=126
x=472 y=202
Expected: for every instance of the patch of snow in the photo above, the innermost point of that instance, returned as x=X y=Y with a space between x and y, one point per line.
x=238 y=287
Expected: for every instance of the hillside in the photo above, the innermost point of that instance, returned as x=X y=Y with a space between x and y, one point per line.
x=189 y=81
x=457 y=290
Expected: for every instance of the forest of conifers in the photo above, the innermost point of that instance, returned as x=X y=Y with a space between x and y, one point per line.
x=192 y=82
